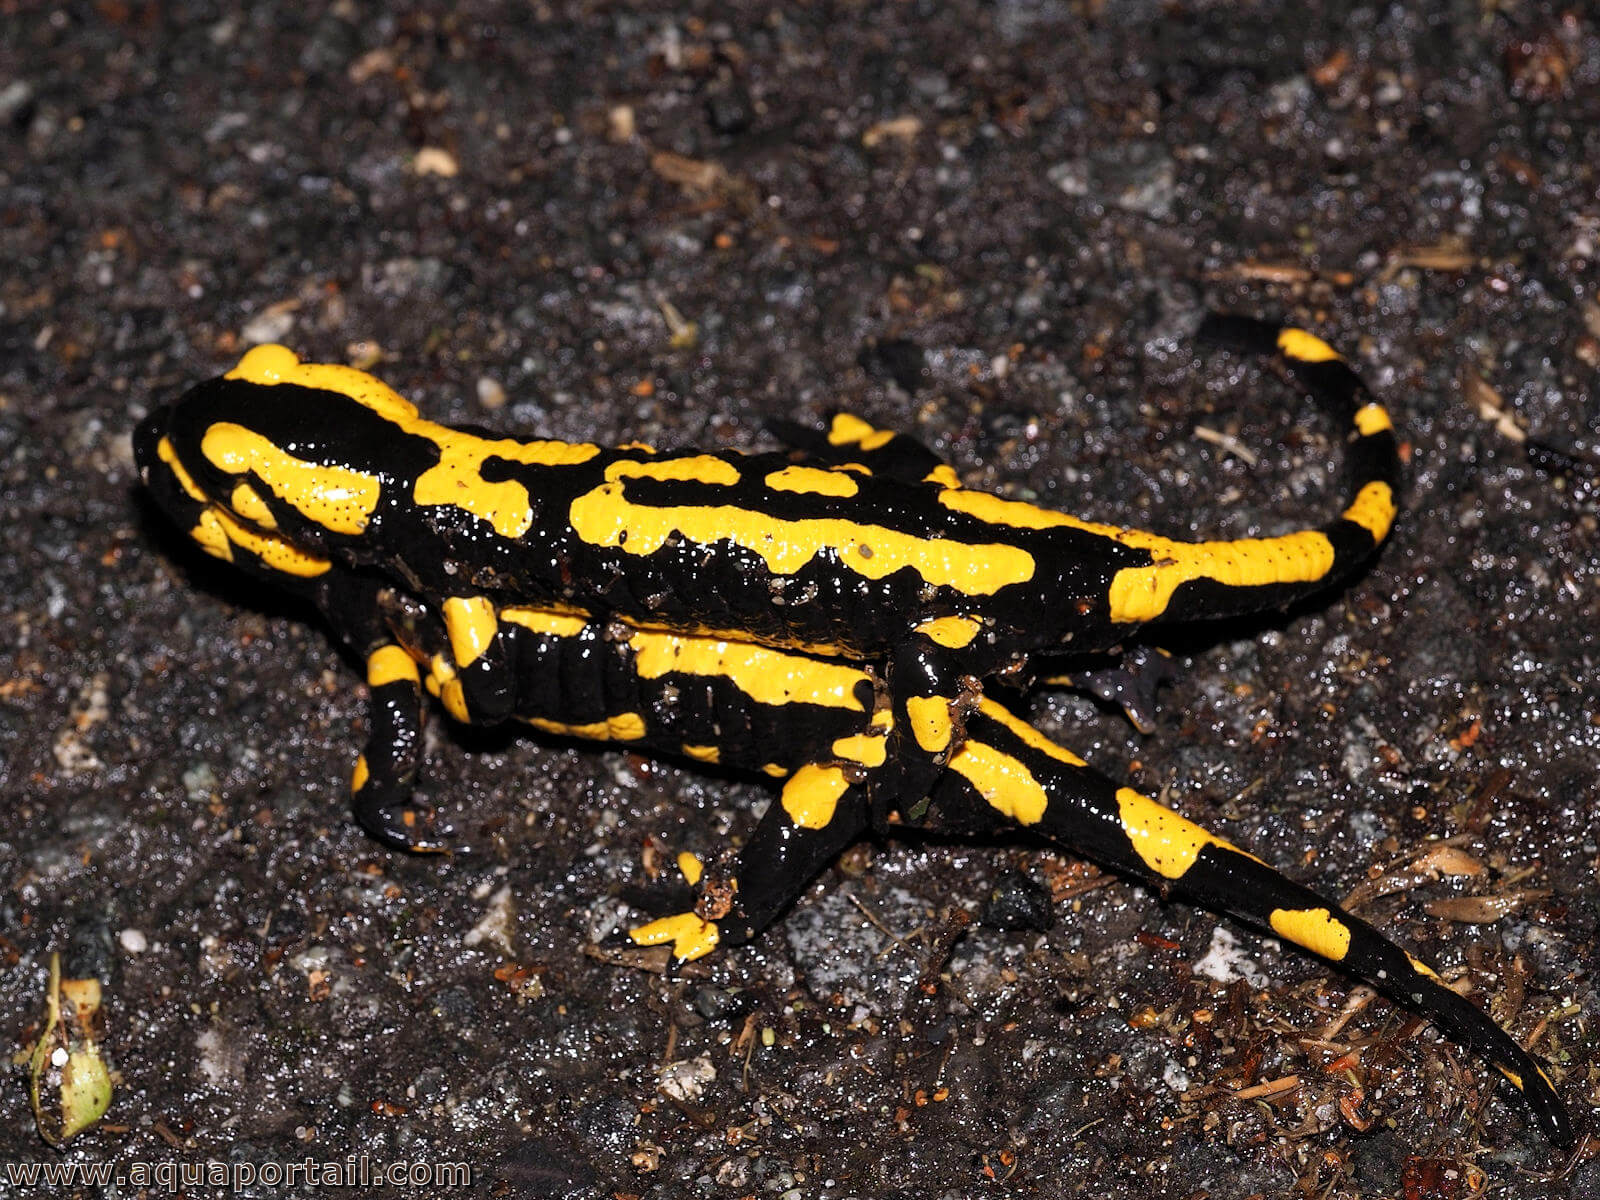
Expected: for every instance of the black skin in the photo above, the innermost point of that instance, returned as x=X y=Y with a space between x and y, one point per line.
x=386 y=586
x=436 y=550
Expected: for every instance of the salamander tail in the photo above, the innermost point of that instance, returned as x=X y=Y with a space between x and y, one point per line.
x=1199 y=580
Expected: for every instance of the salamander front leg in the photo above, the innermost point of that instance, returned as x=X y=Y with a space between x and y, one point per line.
x=819 y=812
x=381 y=785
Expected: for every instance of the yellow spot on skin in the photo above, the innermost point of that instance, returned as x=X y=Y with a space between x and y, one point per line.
x=813 y=480
x=1167 y=842
x=930 y=722
x=629 y=727
x=168 y=455
x=1306 y=347
x=812 y=794
x=1371 y=419
x=944 y=476
x=848 y=430
x=454 y=699
x=1004 y=782
x=868 y=749
x=251 y=507
x=390 y=664
x=275 y=552
x=1422 y=968
x=359 y=776
x=734 y=639
x=1516 y=1079
x=1316 y=929
x=776 y=770
x=952 y=632
x=216 y=530
x=209 y=534
x=765 y=675
x=1018 y=514
x=706 y=754
x=336 y=498
x=442 y=682
x=606 y=517
x=544 y=621
x=1031 y=736
x=471 y=623
x=690 y=934
x=1373 y=509
x=691 y=867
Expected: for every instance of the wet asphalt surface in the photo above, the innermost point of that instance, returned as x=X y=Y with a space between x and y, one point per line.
x=990 y=225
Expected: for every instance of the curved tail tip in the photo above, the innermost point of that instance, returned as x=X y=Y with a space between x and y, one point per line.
x=1540 y=1094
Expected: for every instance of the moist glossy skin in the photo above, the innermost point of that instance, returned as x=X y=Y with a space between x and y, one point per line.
x=830 y=619
x=828 y=552
x=869 y=548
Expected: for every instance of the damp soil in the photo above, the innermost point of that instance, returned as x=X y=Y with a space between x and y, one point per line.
x=993 y=225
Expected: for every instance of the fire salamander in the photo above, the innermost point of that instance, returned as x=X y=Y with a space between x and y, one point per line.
x=831 y=618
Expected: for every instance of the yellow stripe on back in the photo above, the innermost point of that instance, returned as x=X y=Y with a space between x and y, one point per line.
x=605 y=516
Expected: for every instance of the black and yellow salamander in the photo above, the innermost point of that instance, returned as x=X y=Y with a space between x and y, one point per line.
x=828 y=617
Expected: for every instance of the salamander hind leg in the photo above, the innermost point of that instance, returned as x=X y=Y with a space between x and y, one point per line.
x=821 y=811
x=1022 y=775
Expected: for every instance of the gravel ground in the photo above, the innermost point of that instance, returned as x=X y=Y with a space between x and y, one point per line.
x=989 y=224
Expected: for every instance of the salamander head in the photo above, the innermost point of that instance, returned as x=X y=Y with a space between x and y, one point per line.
x=277 y=457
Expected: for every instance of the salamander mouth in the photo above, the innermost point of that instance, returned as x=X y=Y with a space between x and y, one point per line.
x=147 y=437
x=211 y=522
